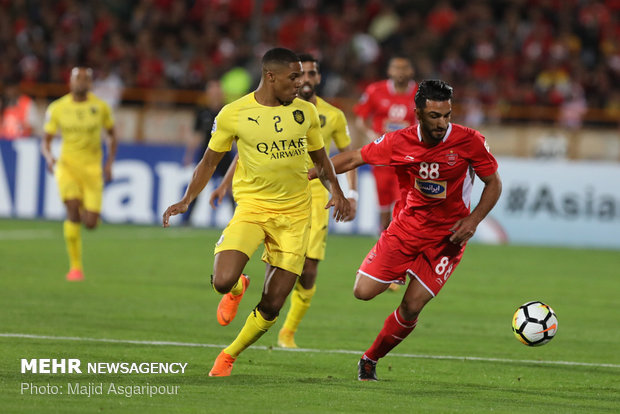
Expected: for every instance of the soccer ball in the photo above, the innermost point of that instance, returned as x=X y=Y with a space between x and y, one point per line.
x=534 y=323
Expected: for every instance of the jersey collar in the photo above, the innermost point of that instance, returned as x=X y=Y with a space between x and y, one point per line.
x=445 y=137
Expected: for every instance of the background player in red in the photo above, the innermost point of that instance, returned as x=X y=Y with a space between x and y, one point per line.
x=427 y=239
x=387 y=106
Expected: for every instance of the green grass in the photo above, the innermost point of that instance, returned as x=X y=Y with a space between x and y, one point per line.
x=151 y=284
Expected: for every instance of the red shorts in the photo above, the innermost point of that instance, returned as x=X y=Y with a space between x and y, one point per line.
x=431 y=262
x=388 y=191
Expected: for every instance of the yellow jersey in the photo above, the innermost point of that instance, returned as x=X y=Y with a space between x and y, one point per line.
x=79 y=124
x=273 y=144
x=333 y=128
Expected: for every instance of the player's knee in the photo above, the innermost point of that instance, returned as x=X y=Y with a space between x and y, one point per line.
x=268 y=309
x=221 y=284
x=410 y=310
x=91 y=224
x=361 y=293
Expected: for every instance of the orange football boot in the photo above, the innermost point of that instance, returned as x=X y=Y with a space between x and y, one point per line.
x=227 y=309
x=75 y=275
x=222 y=367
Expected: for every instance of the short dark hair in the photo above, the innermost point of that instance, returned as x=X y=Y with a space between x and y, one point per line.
x=433 y=90
x=279 y=56
x=307 y=57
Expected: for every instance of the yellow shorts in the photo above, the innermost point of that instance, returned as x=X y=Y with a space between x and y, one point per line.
x=285 y=236
x=318 y=223
x=80 y=183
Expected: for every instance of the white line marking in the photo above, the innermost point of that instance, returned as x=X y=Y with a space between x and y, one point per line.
x=26 y=234
x=325 y=351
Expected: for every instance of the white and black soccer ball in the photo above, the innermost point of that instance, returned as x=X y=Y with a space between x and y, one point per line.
x=534 y=323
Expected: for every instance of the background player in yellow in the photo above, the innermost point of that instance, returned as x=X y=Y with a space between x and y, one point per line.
x=79 y=117
x=333 y=128
x=274 y=132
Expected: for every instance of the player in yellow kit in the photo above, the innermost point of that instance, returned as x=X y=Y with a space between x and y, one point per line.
x=333 y=128
x=79 y=117
x=274 y=133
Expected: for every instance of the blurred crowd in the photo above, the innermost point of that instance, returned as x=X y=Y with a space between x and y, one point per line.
x=527 y=52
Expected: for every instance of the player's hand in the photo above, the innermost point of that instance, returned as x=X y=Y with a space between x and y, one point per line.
x=217 y=196
x=173 y=210
x=352 y=211
x=341 y=206
x=463 y=230
x=312 y=174
x=107 y=172
x=50 y=163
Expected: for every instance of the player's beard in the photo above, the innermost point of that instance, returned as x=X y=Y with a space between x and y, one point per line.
x=306 y=93
x=435 y=135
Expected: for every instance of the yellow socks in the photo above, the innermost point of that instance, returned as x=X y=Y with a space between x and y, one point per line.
x=236 y=290
x=300 y=302
x=255 y=326
x=73 y=240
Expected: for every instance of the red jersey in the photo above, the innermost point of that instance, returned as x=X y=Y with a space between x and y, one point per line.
x=440 y=178
x=387 y=109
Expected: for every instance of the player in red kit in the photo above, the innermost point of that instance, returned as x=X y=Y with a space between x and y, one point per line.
x=427 y=239
x=387 y=106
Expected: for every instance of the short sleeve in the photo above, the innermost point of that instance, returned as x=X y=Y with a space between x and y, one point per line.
x=51 y=122
x=483 y=162
x=342 y=138
x=315 y=139
x=108 y=119
x=223 y=132
x=378 y=152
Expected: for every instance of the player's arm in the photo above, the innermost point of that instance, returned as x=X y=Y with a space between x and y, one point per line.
x=50 y=128
x=465 y=228
x=202 y=174
x=112 y=144
x=352 y=195
x=325 y=171
x=220 y=192
x=46 y=151
x=342 y=162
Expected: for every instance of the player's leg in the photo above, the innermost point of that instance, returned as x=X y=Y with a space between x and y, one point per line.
x=397 y=326
x=72 y=232
x=71 y=192
x=305 y=288
x=286 y=241
x=301 y=298
x=278 y=285
x=238 y=242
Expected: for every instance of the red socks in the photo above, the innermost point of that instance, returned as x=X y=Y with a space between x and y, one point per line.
x=393 y=332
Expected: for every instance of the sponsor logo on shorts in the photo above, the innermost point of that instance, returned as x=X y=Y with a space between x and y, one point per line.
x=371 y=256
x=432 y=189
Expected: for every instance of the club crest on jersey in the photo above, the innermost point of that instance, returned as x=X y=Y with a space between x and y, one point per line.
x=431 y=188
x=452 y=158
x=322 y=119
x=378 y=140
x=298 y=116
x=93 y=110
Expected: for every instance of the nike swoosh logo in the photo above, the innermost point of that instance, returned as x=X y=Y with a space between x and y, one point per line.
x=409 y=157
x=554 y=326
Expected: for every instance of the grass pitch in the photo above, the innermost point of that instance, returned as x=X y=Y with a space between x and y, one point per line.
x=146 y=298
